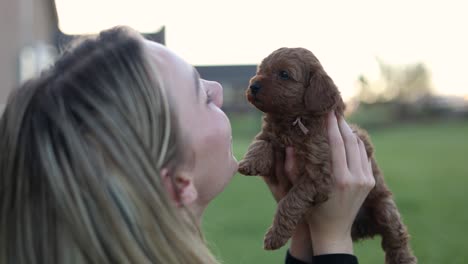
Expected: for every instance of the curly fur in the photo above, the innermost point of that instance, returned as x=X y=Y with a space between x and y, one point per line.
x=291 y=83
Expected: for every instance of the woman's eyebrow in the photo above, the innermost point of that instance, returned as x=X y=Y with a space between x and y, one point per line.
x=196 y=76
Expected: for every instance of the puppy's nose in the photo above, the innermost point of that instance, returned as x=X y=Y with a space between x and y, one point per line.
x=255 y=87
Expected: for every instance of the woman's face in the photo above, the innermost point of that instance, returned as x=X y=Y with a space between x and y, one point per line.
x=205 y=125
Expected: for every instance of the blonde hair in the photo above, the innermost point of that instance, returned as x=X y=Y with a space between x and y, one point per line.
x=82 y=147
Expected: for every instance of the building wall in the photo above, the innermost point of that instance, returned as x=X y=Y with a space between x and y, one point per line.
x=22 y=23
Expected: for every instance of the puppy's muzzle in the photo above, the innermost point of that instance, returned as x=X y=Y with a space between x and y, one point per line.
x=255 y=88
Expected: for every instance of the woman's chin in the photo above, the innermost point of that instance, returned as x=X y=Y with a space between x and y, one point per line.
x=234 y=162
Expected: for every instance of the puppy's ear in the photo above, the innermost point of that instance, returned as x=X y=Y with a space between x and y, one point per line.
x=322 y=94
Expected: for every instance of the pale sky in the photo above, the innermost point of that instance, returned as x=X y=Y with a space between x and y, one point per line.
x=345 y=35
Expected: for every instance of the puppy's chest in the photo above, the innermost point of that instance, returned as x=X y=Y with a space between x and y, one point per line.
x=282 y=136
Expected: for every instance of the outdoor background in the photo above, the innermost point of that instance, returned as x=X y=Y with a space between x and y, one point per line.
x=400 y=65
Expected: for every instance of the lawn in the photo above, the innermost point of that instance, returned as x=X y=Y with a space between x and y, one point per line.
x=425 y=165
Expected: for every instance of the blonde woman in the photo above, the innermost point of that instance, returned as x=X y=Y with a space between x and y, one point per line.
x=112 y=155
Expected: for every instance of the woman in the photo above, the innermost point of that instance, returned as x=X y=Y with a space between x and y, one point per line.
x=112 y=155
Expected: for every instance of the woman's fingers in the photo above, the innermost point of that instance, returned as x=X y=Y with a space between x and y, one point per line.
x=369 y=166
x=351 y=146
x=367 y=175
x=364 y=160
x=371 y=174
x=337 y=147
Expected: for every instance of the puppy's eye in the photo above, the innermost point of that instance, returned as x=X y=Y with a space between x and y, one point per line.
x=284 y=75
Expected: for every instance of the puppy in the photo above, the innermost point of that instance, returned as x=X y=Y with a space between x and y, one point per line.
x=295 y=94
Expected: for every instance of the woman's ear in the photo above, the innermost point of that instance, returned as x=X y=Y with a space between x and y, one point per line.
x=180 y=187
x=322 y=94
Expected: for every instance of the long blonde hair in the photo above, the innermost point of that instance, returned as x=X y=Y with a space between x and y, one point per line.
x=81 y=150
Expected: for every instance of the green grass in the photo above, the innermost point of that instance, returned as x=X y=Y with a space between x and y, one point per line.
x=425 y=165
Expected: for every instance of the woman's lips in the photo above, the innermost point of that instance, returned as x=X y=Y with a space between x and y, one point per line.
x=231 y=153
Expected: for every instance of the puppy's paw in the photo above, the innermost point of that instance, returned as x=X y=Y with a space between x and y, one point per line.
x=247 y=168
x=273 y=240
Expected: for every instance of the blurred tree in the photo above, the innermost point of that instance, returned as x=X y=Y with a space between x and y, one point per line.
x=404 y=84
x=416 y=83
x=365 y=92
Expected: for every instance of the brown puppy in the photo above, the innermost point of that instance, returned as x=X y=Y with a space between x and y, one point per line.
x=295 y=94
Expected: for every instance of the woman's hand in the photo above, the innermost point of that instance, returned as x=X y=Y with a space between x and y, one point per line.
x=330 y=223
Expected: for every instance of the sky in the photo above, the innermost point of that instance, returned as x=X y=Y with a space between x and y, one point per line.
x=346 y=36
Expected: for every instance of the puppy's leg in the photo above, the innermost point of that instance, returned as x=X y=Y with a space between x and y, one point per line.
x=364 y=225
x=395 y=237
x=258 y=160
x=384 y=218
x=290 y=211
x=311 y=189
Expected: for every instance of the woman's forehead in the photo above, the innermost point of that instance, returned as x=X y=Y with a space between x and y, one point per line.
x=172 y=67
x=176 y=74
x=163 y=56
